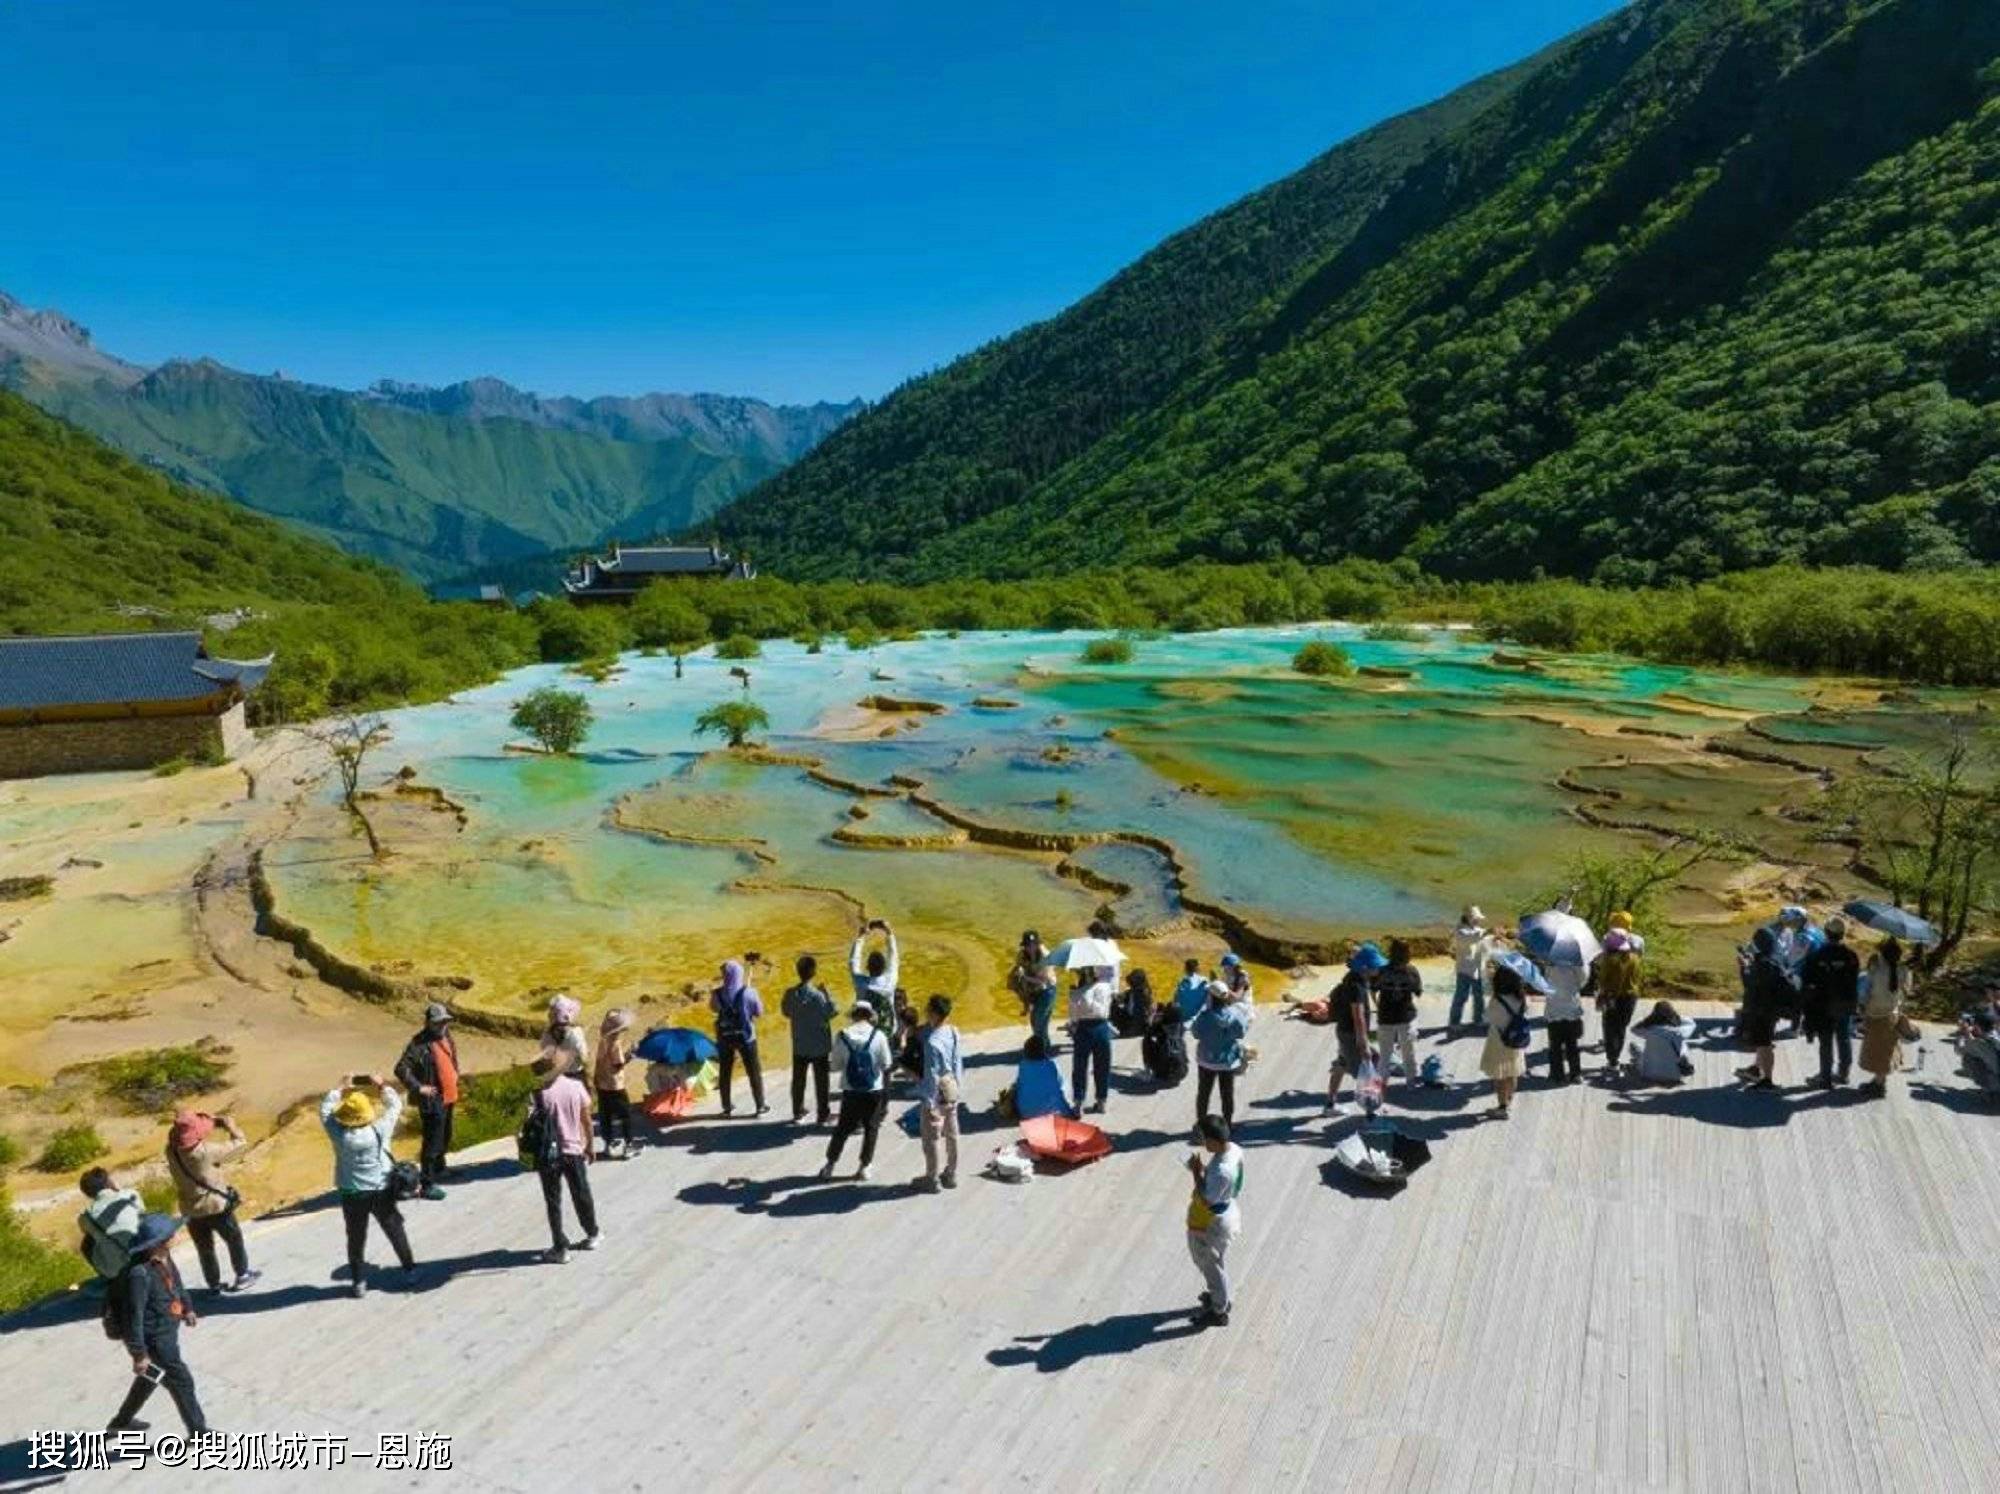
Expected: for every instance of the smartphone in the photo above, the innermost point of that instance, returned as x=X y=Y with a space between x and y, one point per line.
x=153 y=1373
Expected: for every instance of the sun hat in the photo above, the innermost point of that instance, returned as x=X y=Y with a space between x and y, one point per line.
x=1616 y=939
x=617 y=1020
x=1622 y=920
x=1220 y=988
x=190 y=1129
x=354 y=1110
x=154 y=1229
x=564 y=1009
x=1367 y=959
x=437 y=1011
x=1472 y=915
x=862 y=1009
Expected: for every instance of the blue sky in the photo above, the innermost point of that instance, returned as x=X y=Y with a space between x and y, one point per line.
x=793 y=200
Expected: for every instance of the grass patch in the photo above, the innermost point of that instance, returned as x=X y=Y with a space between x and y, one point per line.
x=1395 y=632
x=10 y=1151
x=490 y=1105
x=20 y=889
x=160 y=1196
x=70 y=1148
x=156 y=1078
x=1108 y=651
x=29 y=1269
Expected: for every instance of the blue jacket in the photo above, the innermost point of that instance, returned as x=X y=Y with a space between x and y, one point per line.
x=1218 y=1036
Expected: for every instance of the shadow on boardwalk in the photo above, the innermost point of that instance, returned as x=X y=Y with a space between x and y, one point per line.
x=1123 y=1334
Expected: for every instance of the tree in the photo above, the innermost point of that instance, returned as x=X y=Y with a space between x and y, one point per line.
x=299 y=686
x=733 y=720
x=1634 y=882
x=349 y=740
x=567 y=632
x=738 y=646
x=1322 y=659
x=1107 y=651
x=660 y=617
x=558 y=719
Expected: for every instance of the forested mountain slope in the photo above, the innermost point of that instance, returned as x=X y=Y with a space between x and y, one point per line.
x=1713 y=284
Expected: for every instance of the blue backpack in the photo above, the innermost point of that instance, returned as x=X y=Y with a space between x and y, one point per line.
x=859 y=1072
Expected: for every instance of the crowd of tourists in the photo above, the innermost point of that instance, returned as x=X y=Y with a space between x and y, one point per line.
x=1795 y=972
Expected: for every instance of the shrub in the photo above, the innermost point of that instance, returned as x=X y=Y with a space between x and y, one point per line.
x=862 y=636
x=10 y=1151
x=70 y=1148
x=490 y=1105
x=154 y=1079
x=738 y=646
x=1108 y=651
x=1395 y=633
x=1322 y=659
x=29 y=1269
x=558 y=719
x=733 y=720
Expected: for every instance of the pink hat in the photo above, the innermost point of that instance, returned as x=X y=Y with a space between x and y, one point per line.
x=190 y=1129
x=565 y=1009
x=1616 y=940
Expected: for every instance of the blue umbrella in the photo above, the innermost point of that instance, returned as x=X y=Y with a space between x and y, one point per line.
x=1559 y=938
x=1524 y=967
x=1887 y=918
x=675 y=1045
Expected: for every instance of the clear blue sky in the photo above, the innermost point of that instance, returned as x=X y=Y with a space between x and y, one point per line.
x=793 y=200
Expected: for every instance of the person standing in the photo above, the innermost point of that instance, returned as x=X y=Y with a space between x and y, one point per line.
x=1090 y=1025
x=429 y=1070
x=1882 y=1017
x=810 y=1008
x=864 y=1075
x=1829 y=991
x=360 y=1128
x=1034 y=983
x=1397 y=990
x=1236 y=975
x=737 y=1006
x=110 y=1223
x=614 y=1105
x=194 y=1161
x=1471 y=946
x=562 y=1036
x=153 y=1307
x=1347 y=1005
x=1218 y=1028
x=1618 y=982
x=564 y=1155
x=1215 y=1217
x=1564 y=1014
x=1504 y=1059
x=876 y=974
x=1191 y=995
x=1766 y=994
x=938 y=1092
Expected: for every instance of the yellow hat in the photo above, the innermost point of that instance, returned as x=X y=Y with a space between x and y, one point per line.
x=355 y=1109
x=1621 y=921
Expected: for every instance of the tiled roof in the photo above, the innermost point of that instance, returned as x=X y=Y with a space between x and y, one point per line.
x=656 y=560
x=116 y=669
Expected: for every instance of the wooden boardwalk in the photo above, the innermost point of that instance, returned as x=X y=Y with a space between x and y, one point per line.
x=1663 y=1289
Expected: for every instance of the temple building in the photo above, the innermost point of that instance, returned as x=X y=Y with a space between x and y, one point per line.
x=627 y=571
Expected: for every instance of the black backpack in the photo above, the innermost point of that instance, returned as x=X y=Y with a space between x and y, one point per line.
x=858 y=1071
x=538 y=1140
x=1164 y=1049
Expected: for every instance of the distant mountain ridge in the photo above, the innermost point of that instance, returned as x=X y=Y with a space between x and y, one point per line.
x=437 y=481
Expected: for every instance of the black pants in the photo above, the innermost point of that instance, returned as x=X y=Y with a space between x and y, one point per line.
x=356 y=1209
x=731 y=1050
x=1213 y=1079
x=437 y=1139
x=818 y=1067
x=1566 y=1048
x=860 y=1110
x=164 y=1349
x=575 y=1169
x=1617 y=1017
x=1836 y=1041
x=204 y=1231
x=614 y=1116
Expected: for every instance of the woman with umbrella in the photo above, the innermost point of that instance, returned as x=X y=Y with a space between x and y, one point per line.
x=1882 y=1017
x=1504 y=1058
x=1566 y=948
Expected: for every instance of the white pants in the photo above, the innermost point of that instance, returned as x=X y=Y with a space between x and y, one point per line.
x=1210 y=1250
x=1397 y=1034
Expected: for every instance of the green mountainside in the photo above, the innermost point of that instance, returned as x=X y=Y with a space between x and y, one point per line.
x=436 y=481
x=1712 y=284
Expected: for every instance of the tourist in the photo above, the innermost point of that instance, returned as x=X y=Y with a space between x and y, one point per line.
x=1132 y=1010
x=207 y=1202
x=1214 y=1216
x=1236 y=975
x=1090 y=1027
x=614 y=1105
x=1218 y=1030
x=563 y=1155
x=109 y=1221
x=360 y=1126
x=1798 y=936
x=864 y=1076
x=1164 y=1047
x=909 y=1039
x=1979 y=1051
x=1767 y=993
x=1882 y=1017
x=1471 y=946
x=152 y=1309
x=1347 y=1006
x=563 y=1037
x=429 y=1070
x=1504 y=1058
x=876 y=974
x=737 y=1006
x=1191 y=995
x=1618 y=983
x=1563 y=1018
x=810 y=1008
x=943 y=1083
x=1829 y=991
x=1398 y=988
x=1035 y=985
x=1661 y=1040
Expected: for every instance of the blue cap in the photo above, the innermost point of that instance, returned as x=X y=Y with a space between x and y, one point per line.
x=1367 y=959
x=1230 y=959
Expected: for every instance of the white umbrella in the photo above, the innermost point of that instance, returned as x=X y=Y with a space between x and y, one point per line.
x=1558 y=938
x=1086 y=954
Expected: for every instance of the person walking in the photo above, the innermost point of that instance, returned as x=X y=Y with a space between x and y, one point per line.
x=1618 y=982
x=153 y=1307
x=1347 y=1005
x=938 y=1092
x=563 y=1155
x=1882 y=1017
x=1218 y=1028
x=607 y=1078
x=1829 y=991
x=864 y=1075
x=109 y=1221
x=876 y=974
x=1215 y=1217
x=1564 y=1020
x=1504 y=1059
x=207 y=1202
x=737 y=1006
x=1471 y=947
x=1766 y=994
x=360 y=1126
x=1090 y=1026
x=1035 y=985
x=810 y=1009
x=1397 y=990
x=429 y=1070
x=1191 y=995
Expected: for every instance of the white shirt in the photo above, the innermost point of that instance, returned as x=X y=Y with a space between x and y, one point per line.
x=1219 y=1182
x=1565 y=1001
x=855 y=1036
x=1470 y=947
x=1091 y=1003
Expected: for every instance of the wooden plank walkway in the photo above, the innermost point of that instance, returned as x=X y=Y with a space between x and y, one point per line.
x=1691 y=1289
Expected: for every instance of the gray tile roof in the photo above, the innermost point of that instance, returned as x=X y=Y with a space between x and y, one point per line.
x=115 y=669
x=656 y=560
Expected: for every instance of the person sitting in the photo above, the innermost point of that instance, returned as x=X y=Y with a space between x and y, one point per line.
x=1164 y=1047
x=1662 y=1040
x=1132 y=1008
x=1038 y=1085
x=1979 y=1053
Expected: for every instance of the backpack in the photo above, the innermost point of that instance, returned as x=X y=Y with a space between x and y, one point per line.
x=114 y=1239
x=538 y=1140
x=1164 y=1049
x=1515 y=1034
x=732 y=1023
x=859 y=1070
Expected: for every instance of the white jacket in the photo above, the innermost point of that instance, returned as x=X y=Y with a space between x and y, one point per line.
x=1471 y=948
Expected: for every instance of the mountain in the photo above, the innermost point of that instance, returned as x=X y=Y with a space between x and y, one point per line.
x=435 y=481
x=1711 y=284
